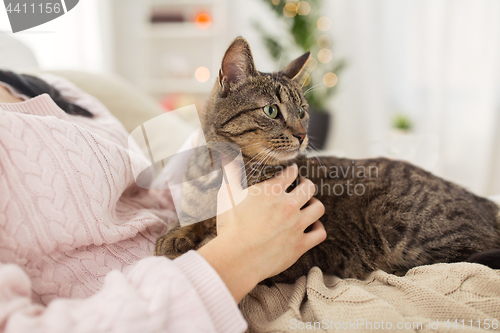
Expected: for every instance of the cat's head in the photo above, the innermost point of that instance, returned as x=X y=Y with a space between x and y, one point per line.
x=265 y=114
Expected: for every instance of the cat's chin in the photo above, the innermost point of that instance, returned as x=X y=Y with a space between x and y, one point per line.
x=286 y=156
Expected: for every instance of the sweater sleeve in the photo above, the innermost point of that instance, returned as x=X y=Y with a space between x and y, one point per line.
x=155 y=295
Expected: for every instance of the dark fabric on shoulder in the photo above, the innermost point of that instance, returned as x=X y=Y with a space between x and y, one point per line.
x=33 y=86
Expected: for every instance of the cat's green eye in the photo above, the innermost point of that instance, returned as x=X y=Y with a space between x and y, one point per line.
x=302 y=113
x=271 y=111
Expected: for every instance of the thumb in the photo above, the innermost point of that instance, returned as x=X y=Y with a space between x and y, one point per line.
x=231 y=192
x=233 y=172
x=286 y=176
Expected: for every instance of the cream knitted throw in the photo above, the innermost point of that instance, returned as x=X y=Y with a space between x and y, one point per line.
x=427 y=299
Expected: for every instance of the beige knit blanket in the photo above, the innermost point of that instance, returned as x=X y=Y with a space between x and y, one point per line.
x=458 y=297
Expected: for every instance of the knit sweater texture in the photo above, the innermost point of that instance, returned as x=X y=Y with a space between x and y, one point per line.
x=77 y=233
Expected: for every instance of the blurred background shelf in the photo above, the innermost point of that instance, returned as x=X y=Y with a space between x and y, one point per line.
x=177 y=31
x=173 y=47
x=159 y=86
x=184 y=2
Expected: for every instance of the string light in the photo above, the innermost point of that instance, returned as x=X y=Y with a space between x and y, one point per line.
x=330 y=79
x=324 y=23
x=325 y=55
x=203 y=20
x=303 y=8
x=290 y=9
x=202 y=74
x=324 y=41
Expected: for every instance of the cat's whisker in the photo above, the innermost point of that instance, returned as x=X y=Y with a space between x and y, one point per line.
x=275 y=74
x=314 y=150
x=271 y=155
x=259 y=168
x=233 y=150
x=315 y=155
x=243 y=167
x=313 y=88
x=312 y=145
x=252 y=172
x=260 y=163
x=257 y=164
x=246 y=164
x=314 y=67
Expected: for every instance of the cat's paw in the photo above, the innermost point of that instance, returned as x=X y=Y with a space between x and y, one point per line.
x=174 y=243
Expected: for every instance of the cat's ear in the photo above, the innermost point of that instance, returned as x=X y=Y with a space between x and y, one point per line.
x=297 y=70
x=237 y=64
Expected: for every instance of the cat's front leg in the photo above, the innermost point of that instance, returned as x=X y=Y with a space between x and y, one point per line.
x=179 y=240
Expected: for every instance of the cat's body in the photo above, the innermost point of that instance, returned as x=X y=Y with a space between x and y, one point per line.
x=398 y=217
x=380 y=214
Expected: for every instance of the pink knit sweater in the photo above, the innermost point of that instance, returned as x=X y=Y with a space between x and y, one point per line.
x=76 y=233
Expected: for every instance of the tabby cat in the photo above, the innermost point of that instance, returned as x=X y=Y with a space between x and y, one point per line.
x=380 y=213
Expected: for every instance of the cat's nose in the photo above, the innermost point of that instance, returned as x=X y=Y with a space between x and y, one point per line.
x=301 y=137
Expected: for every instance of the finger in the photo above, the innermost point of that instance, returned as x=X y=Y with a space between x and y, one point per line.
x=285 y=177
x=231 y=192
x=312 y=212
x=316 y=236
x=232 y=172
x=304 y=191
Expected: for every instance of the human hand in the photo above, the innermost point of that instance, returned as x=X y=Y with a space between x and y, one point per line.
x=263 y=234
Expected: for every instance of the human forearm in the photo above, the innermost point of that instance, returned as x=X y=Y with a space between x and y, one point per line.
x=255 y=244
x=232 y=264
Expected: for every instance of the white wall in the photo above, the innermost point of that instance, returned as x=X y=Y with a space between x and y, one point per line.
x=434 y=60
x=80 y=39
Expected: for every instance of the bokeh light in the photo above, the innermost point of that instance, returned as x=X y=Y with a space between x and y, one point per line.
x=203 y=20
x=290 y=9
x=202 y=74
x=303 y=8
x=276 y=2
x=325 y=55
x=330 y=79
x=324 y=23
x=324 y=41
